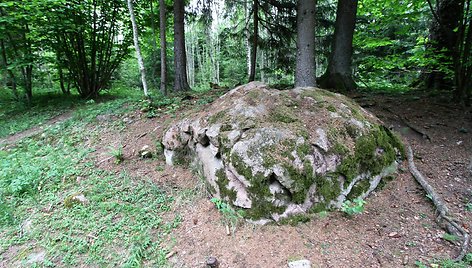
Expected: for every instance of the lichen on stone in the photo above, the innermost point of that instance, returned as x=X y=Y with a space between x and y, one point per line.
x=285 y=154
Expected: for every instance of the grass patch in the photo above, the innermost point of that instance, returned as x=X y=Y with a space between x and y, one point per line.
x=122 y=224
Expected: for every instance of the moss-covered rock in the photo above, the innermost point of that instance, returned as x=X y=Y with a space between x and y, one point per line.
x=283 y=153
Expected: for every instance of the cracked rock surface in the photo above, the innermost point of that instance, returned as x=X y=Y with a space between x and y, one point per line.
x=276 y=153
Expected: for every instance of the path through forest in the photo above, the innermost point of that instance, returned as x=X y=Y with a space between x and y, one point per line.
x=34 y=130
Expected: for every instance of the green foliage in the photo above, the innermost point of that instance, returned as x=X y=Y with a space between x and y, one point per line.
x=468 y=207
x=448 y=263
x=354 y=207
x=230 y=216
x=38 y=175
x=450 y=237
x=390 y=43
x=419 y=264
x=117 y=153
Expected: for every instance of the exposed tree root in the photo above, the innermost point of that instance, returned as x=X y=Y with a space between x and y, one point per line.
x=452 y=225
x=415 y=128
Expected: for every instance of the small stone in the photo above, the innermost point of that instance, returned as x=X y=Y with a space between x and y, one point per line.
x=405 y=260
x=212 y=262
x=81 y=199
x=299 y=264
x=145 y=152
x=37 y=257
x=27 y=226
x=394 y=235
x=74 y=199
x=463 y=130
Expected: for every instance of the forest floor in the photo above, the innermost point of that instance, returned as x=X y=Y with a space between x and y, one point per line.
x=398 y=226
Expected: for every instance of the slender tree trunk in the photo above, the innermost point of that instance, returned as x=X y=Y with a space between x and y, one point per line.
x=339 y=72
x=255 y=40
x=180 y=59
x=162 y=33
x=138 y=50
x=60 y=71
x=29 y=82
x=305 y=68
x=154 y=44
x=248 y=37
x=9 y=73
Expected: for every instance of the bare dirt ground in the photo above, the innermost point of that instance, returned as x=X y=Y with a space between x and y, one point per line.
x=33 y=131
x=397 y=228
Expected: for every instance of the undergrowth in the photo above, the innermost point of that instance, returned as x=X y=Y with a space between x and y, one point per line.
x=122 y=224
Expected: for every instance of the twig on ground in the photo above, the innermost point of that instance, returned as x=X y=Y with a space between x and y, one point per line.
x=104 y=160
x=452 y=225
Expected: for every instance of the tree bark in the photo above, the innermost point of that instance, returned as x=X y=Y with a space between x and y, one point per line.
x=11 y=79
x=305 y=67
x=339 y=73
x=180 y=58
x=443 y=38
x=136 y=46
x=255 y=41
x=162 y=34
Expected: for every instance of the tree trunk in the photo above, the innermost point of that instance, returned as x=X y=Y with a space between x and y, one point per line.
x=154 y=45
x=305 y=68
x=27 y=72
x=462 y=52
x=162 y=33
x=255 y=41
x=60 y=71
x=180 y=58
x=443 y=38
x=248 y=37
x=339 y=74
x=136 y=45
x=11 y=81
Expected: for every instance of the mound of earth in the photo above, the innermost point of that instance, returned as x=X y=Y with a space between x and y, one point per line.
x=281 y=153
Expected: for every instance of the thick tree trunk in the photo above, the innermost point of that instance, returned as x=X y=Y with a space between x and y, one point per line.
x=305 y=68
x=255 y=41
x=444 y=37
x=162 y=33
x=180 y=58
x=136 y=46
x=339 y=73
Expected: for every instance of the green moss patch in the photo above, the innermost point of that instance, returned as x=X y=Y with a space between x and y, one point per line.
x=222 y=182
x=373 y=152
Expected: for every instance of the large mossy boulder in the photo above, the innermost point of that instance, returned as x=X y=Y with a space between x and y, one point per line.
x=281 y=153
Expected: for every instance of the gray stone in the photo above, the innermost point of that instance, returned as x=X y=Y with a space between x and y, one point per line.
x=145 y=152
x=300 y=264
x=36 y=257
x=282 y=153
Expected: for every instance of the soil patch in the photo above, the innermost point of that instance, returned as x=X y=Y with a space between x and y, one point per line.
x=397 y=228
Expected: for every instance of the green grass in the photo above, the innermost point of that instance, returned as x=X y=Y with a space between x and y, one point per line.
x=18 y=116
x=123 y=222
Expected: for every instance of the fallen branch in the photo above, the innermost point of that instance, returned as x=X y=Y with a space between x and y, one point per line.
x=452 y=225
